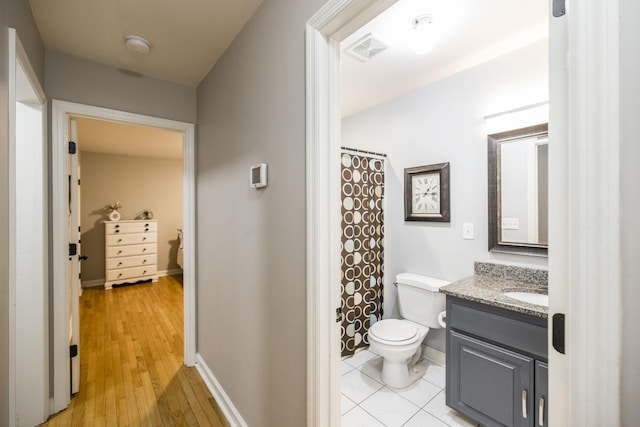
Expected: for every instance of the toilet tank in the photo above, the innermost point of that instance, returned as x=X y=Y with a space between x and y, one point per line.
x=419 y=298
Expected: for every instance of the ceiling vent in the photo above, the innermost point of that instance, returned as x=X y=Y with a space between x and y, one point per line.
x=367 y=47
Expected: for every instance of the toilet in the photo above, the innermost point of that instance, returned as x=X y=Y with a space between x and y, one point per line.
x=399 y=341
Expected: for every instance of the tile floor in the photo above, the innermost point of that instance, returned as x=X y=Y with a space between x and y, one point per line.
x=367 y=402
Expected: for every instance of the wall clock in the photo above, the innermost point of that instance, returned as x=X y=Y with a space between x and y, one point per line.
x=426 y=193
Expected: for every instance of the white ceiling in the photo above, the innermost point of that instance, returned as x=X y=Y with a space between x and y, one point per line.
x=470 y=32
x=100 y=136
x=187 y=37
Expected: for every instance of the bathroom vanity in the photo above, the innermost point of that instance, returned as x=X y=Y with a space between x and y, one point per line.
x=497 y=351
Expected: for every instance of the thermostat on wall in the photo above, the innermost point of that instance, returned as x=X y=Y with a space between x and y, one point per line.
x=258 y=176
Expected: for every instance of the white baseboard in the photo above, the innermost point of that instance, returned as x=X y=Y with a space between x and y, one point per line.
x=224 y=402
x=434 y=355
x=100 y=282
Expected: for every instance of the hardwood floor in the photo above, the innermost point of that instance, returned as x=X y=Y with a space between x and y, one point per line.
x=131 y=363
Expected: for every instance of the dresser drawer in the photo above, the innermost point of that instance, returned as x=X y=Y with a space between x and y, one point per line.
x=131 y=227
x=130 y=239
x=130 y=273
x=124 y=251
x=133 y=261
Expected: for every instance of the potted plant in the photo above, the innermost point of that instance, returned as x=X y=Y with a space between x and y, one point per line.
x=114 y=215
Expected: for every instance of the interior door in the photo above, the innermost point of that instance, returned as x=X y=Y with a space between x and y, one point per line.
x=74 y=259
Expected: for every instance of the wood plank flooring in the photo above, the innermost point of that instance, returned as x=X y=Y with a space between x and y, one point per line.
x=131 y=362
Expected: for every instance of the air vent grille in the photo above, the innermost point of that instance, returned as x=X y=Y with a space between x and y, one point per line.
x=367 y=47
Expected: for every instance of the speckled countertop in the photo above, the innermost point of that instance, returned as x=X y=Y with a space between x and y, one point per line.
x=491 y=281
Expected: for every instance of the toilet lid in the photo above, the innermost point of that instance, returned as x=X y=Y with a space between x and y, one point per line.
x=393 y=330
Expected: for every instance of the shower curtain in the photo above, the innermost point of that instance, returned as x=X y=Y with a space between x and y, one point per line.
x=362 y=253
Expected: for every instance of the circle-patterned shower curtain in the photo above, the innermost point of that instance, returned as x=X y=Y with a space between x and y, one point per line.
x=362 y=254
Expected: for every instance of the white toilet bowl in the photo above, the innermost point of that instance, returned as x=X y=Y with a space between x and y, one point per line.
x=399 y=343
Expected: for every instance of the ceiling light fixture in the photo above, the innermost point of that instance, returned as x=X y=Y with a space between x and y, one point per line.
x=423 y=35
x=137 y=44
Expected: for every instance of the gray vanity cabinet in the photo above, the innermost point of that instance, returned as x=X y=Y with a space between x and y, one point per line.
x=496 y=370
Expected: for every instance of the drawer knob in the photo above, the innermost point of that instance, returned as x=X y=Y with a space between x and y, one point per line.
x=117 y=231
x=120 y=263
x=144 y=272
x=117 y=225
x=119 y=252
x=144 y=249
x=120 y=275
x=144 y=238
x=119 y=240
x=146 y=229
x=144 y=260
x=146 y=225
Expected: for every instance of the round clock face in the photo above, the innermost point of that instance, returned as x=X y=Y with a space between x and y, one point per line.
x=425 y=197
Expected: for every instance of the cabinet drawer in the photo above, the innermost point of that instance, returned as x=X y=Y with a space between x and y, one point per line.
x=130 y=273
x=134 y=261
x=130 y=239
x=131 y=227
x=513 y=330
x=122 y=251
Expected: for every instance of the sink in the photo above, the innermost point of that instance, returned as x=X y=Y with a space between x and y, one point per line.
x=529 y=297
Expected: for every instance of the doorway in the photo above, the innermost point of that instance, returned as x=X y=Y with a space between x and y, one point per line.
x=61 y=113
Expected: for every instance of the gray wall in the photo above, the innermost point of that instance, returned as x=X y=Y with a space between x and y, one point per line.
x=630 y=206
x=16 y=14
x=73 y=79
x=251 y=243
x=138 y=183
x=443 y=122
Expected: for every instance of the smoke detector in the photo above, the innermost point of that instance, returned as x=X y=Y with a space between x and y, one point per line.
x=367 y=47
x=137 y=44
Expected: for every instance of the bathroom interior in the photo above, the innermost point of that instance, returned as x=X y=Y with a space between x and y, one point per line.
x=444 y=215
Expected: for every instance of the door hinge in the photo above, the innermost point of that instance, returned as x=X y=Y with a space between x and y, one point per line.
x=559 y=8
x=73 y=350
x=78 y=182
x=557 y=338
x=338 y=314
x=72 y=147
x=73 y=249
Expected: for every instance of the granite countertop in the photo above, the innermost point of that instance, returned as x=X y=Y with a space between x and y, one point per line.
x=489 y=284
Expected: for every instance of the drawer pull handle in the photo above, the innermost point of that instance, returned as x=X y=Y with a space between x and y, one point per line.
x=541 y=412
x=524 y=404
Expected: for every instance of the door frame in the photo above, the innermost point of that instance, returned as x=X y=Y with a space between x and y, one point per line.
x=60 y=112
x=38 y=343
x=585 y=247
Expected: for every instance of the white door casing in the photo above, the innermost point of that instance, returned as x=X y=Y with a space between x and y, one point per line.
x=28 y=262
x=61 y=111
x=74 y=282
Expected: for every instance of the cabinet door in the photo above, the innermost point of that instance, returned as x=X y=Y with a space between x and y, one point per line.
x=488 y=383
x=541 y=402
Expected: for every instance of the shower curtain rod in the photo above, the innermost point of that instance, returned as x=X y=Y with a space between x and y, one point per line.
x=364 y=151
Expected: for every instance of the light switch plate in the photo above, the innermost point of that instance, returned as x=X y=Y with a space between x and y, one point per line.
x=467 y=231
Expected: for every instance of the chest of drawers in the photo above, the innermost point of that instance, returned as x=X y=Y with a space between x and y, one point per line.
x=131 y=249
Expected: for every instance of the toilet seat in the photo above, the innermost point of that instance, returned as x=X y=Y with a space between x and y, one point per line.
x=394 y=332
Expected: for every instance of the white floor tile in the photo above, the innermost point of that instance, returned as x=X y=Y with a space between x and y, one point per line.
x=389 y=407
x=359 y=358
x=438 y=408
x=346 y=404
x=357 y=417
x=345 y=367
x=420 y=392
x=435 y=374
x=358 y=386
x=424 y=419
x=373 y=368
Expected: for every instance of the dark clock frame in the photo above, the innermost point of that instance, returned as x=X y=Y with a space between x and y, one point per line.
x=445 y=212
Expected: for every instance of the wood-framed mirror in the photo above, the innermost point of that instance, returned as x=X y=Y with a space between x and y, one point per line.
x=518 y=191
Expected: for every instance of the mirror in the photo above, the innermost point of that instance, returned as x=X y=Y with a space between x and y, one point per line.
x=518 y=191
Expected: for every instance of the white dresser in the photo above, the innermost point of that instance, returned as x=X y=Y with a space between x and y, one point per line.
x=131 y=249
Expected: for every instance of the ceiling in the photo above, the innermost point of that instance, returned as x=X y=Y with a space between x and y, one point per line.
x=470 y=32
x=100 y=136
x=187 y=37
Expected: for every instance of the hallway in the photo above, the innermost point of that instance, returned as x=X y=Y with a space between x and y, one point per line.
x=131 y=362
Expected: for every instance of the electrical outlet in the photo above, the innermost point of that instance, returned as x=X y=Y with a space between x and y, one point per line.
x=510 y=223
x=467 y=231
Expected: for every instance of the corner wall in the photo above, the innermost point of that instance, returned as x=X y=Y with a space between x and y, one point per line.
x=443 y=122
x=251 y=243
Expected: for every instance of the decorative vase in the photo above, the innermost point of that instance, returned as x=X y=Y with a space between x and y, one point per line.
x=114 y=216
